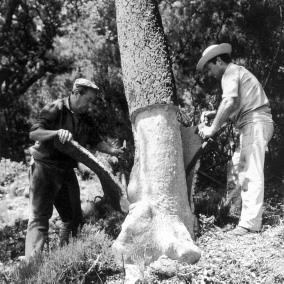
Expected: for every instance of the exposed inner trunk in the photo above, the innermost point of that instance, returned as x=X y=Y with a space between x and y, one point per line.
x=160 y=221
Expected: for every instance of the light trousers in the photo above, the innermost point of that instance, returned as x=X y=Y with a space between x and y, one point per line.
x=248 y=159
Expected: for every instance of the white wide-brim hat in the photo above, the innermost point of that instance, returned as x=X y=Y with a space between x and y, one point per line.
x=212 y=51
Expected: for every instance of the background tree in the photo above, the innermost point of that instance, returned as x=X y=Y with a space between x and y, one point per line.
x=27 y=33
x=254 y=28
x=90 y=39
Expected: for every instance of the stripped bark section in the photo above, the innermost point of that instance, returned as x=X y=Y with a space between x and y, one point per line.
x=114 y=191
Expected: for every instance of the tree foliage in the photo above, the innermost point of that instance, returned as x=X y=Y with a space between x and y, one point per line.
x=27 y=33
x=92 y=41
x=44 y=45
x=254 y=28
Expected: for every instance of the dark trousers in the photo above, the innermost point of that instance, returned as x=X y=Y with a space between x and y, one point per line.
x=51 y=186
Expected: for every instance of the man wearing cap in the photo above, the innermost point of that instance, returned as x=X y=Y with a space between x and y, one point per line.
x=52 y=177
x=245 y=103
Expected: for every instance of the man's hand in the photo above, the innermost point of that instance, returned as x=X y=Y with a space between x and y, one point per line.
x=207 y=115
x=207 y=132
x=105 y=147
x=64 y=136
x=118 y=152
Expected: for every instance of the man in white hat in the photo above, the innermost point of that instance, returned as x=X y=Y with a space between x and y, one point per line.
x=52 y=177
x=245 y=103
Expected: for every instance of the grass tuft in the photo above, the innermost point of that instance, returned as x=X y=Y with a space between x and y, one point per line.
x=87 y=257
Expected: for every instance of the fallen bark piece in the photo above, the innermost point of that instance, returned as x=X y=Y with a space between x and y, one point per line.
x=166 y=266
x=114 y=191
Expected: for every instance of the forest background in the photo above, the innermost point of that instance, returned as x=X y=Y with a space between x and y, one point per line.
x=46 y=45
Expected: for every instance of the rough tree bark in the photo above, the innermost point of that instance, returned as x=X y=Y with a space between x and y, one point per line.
x=160 y=221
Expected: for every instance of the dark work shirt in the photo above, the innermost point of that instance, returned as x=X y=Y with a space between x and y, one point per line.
x=58 y=115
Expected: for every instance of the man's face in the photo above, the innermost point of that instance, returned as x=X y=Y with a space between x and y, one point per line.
x=214 y=70
x=84 y=102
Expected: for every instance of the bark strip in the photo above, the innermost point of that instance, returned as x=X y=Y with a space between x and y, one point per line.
x=114 y=191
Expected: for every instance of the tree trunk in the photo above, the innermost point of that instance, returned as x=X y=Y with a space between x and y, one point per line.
x=160 y=221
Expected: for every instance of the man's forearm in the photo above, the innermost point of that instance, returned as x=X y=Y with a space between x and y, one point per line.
x=227 y=106
x=41 y=134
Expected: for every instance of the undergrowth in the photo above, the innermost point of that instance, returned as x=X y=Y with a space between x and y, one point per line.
x=251 y=259
x=85 y=259
x=9 y=170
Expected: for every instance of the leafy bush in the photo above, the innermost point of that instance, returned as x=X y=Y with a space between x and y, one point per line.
x=9 y=170
x=12 y=240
